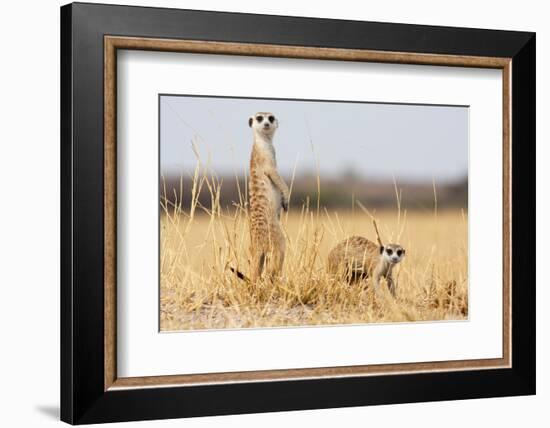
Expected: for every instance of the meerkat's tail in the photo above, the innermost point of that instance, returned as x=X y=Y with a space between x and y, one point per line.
x=377 y=233
x=239 y=274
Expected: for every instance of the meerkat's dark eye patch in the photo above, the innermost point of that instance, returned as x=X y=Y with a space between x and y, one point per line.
x=271 y=119
x=389 y=251
x=399 y=252
x=259 y=119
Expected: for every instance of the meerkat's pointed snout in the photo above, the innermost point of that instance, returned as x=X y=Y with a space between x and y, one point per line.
x=393 y=253
x=263 y=123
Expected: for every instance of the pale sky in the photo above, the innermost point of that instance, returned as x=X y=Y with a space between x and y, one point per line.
x=410 y=142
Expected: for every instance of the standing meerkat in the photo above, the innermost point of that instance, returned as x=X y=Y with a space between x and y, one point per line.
x=268 y=194
x=357 y=258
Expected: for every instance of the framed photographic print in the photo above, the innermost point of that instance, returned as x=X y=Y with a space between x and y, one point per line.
x=265 y=213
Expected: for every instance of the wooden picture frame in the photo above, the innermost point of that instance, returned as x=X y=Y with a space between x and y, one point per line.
x=91 y=391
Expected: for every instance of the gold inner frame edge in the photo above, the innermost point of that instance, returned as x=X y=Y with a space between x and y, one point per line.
x=113 y=43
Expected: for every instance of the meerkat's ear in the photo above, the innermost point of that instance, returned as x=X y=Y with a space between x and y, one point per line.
x=381 y=249
x=250 y=120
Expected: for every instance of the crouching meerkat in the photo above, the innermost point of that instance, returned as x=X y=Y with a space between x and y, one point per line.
x=267 y=195
x=356 y=258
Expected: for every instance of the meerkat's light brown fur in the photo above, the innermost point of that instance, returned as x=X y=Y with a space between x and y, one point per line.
x=356 y=258
x=268 y=194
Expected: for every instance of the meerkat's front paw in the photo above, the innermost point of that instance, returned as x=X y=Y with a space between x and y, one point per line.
x=284 y=202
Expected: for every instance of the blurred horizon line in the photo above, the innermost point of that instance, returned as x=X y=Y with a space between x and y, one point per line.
x=337 y=192
x=327 y=176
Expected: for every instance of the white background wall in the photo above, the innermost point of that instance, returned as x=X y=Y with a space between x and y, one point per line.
x=29 y=218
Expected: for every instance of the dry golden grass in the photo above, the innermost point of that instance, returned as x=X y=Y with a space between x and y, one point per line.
x=198 y=244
